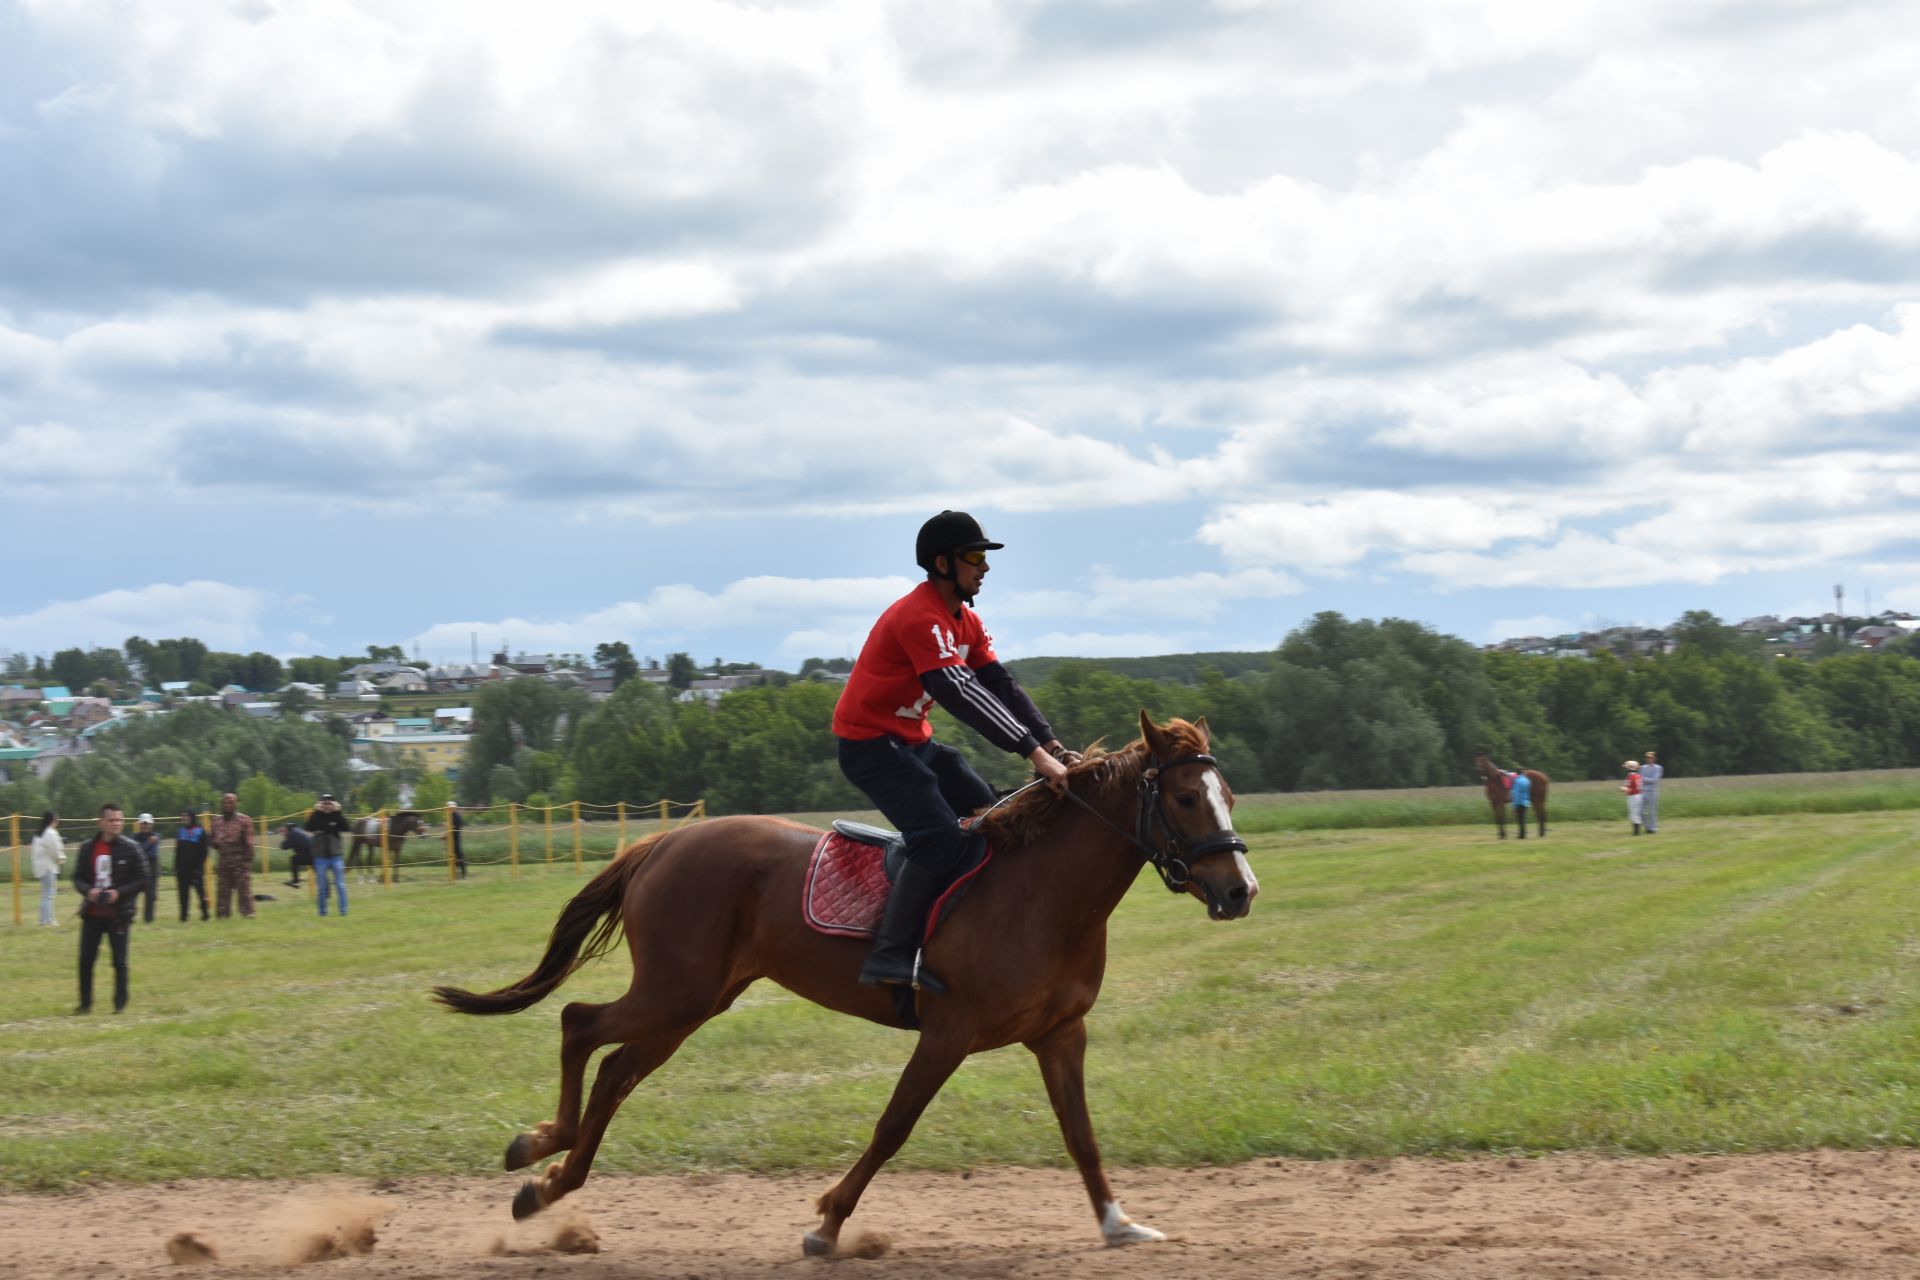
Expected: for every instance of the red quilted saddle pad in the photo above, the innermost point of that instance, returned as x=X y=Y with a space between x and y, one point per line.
x=846 y=888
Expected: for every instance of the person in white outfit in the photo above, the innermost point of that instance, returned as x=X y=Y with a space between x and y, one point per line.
x=49 y=856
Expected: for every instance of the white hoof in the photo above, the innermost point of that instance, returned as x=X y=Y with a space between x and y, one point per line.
x=1118 y=1229
x=815 y=1245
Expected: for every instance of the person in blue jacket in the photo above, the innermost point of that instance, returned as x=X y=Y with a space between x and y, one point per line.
x=1521 y=798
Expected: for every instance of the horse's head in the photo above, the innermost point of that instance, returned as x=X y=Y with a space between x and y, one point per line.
x=1184 y=786
x=406 y=823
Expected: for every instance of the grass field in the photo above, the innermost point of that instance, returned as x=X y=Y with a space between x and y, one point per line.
x=1731 y=984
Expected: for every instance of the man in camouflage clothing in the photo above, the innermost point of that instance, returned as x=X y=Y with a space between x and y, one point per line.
x=232 y=835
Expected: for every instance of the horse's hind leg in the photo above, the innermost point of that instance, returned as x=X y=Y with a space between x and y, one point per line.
x=648 y=1028
x=930 y=1067
x=1062 y=1054
x=619 y=1072
x=583 y=1030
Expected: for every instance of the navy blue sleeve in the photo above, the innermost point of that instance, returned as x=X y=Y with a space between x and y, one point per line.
x=1002 y=685
x=972 y=704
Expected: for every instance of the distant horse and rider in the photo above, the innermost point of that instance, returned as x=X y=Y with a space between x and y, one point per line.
x=365 y=851
x=709 y=910
x=1499 y=785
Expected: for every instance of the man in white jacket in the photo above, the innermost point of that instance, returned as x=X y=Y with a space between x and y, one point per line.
x=49 y=857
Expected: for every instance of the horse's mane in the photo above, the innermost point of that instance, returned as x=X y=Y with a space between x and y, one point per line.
x=1028 y=816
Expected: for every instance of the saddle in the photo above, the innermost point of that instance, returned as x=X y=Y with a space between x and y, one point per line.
x=851 y=869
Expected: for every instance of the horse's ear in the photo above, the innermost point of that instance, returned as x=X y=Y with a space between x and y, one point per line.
x=1150 y=732
x=1206 y=734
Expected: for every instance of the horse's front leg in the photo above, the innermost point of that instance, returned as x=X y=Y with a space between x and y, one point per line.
x=1062 y=1053
x=1499 y=817
x=932 y=1064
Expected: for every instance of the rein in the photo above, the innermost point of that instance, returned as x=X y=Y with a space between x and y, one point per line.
x=1174 y=860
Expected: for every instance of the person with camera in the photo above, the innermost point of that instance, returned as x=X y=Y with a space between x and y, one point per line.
x=108 y=873
x=328 y=827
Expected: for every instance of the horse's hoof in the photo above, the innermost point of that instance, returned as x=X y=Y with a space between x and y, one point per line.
x=815 y=1245
x=1132 y=1233
x=518 y=1156
x=526 y=1202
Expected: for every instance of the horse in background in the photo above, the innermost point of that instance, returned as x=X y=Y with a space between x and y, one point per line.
x=365 y=850
x=1495 y=782
x=709 y=910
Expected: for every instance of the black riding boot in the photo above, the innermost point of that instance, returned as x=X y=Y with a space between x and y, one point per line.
x=896 y=948
x=1522 y=824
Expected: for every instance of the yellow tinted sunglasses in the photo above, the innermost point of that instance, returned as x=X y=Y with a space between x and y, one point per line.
x=974 y=558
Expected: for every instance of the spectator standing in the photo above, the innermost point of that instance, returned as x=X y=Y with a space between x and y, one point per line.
x=455 y=823
x=299 y=847
x=1650 y=774
x=232 y=838
x=190 y=862
x=49 y=855
x=1636 y=799
x=329 y=827
x=1520 y=796
x=108 y=874
x=147 y=841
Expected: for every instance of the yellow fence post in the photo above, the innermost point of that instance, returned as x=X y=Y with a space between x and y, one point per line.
x=266 y=851
x=513 y=836
x=386 y=855
x=700 y=807
x=450 y=873
x=546 y=817
x=14 y=836
x=663 y=815
x=576 y=836
x=620 y=845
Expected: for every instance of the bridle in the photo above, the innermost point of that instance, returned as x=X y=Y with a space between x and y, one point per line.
x=1174 y=856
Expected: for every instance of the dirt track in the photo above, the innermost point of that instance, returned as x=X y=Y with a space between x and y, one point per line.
x=1818 y=1214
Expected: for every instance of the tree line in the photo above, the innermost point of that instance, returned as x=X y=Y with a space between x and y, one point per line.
x=1338 y=704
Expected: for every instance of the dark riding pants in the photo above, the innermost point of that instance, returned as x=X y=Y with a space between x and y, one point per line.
x=921 y=789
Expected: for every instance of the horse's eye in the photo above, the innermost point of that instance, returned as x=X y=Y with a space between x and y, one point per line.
x=1186 y=802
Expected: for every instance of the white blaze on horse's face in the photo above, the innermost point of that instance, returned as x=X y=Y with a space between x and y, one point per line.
x=1223 y=821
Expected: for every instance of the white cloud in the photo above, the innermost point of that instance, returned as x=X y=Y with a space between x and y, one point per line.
x=1190 y=597
x=225 y=617
x=1095 y=644
x=1342 y=530
x=676 y=610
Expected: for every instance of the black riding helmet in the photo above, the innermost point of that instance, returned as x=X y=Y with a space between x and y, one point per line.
x=946 y=533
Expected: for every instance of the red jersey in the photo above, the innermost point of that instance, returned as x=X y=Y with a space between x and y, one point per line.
x=916 y=634
x=1632 y=785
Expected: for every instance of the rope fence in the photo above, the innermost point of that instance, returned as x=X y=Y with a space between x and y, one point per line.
x=502 y=835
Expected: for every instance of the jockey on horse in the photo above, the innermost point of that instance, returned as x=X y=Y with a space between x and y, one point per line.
x=929 y=646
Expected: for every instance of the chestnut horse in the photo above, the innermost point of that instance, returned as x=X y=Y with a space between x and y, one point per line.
x=365 y=850
x=710 y=909
x=1496 y=787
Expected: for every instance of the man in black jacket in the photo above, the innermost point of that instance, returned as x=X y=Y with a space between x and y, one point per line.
x=328 y=827
x=108 y=874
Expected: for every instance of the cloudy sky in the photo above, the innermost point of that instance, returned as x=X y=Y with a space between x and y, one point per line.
x=325 y=323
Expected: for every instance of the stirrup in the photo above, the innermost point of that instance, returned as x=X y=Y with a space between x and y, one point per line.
x=916 y=977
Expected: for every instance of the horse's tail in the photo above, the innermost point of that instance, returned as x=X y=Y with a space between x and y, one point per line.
x=583 y=932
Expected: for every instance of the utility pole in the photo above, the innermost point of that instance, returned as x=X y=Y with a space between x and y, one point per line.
x=1840 y=610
